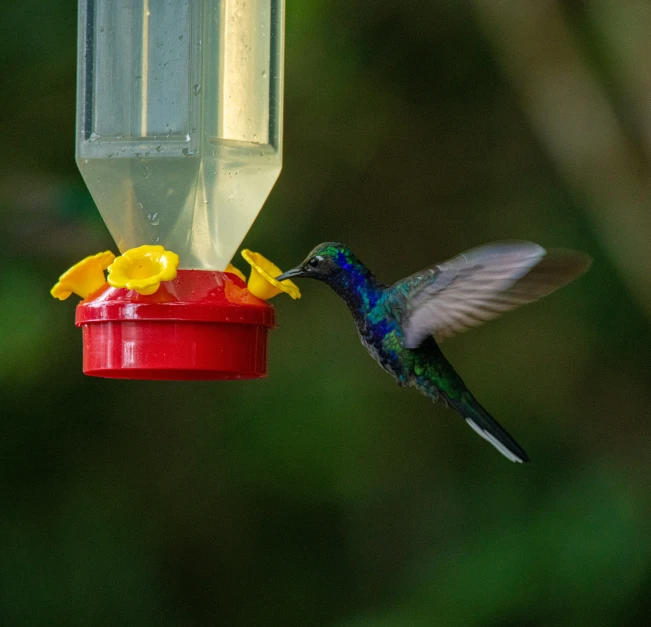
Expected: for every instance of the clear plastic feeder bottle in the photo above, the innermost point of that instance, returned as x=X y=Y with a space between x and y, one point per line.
x=179 y=117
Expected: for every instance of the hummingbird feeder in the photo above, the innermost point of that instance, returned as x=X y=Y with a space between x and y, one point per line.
x=179 y=140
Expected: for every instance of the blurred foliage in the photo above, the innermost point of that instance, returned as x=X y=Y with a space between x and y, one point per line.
x=325 y=495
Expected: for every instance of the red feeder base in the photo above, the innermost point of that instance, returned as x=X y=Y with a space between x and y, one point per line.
x=201 y=325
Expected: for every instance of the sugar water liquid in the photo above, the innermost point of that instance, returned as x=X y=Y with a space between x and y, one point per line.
x=179 y=120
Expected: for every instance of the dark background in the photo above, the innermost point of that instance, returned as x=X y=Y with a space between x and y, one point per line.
x=325 y=495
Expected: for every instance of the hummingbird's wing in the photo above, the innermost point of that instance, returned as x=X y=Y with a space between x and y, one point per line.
x=479 y=285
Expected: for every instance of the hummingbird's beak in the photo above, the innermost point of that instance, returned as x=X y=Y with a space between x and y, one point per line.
x=290 y=274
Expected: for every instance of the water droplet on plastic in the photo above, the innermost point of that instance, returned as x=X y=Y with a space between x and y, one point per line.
x=264 y=73
x=159 y=148
x=180 y=37
x=196 y=89
x=155 y=240
x=139 y=205
x=101 y=29
x=93 y=137
x=154 y=219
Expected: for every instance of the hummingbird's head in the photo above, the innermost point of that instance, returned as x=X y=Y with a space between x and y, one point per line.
x=325 y=263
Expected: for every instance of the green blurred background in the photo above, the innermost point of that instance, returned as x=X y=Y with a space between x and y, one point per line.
x=326 y=495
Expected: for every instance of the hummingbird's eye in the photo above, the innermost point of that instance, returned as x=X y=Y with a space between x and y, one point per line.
x=314 y=262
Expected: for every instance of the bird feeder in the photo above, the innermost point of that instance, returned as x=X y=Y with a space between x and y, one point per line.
x=179 y=140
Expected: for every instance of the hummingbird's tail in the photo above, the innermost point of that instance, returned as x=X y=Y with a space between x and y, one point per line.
x=489 y=429
x=437 y=379
x=451 y=391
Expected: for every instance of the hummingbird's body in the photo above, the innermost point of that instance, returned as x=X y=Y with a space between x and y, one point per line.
x=398 y=324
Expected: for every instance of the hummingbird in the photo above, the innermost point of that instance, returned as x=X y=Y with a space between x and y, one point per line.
x=402 y=325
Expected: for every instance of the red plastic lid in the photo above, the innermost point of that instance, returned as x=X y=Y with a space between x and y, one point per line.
x=201 y=325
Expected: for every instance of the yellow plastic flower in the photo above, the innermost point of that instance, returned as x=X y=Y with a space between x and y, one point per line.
x=236 y=271
x=262 y=282
x=142 y=269
x=84 y=277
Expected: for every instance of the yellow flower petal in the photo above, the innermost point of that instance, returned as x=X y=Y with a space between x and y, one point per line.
x=84 y=277
x=262 y=282
x=143 y=269
x=236 y=271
